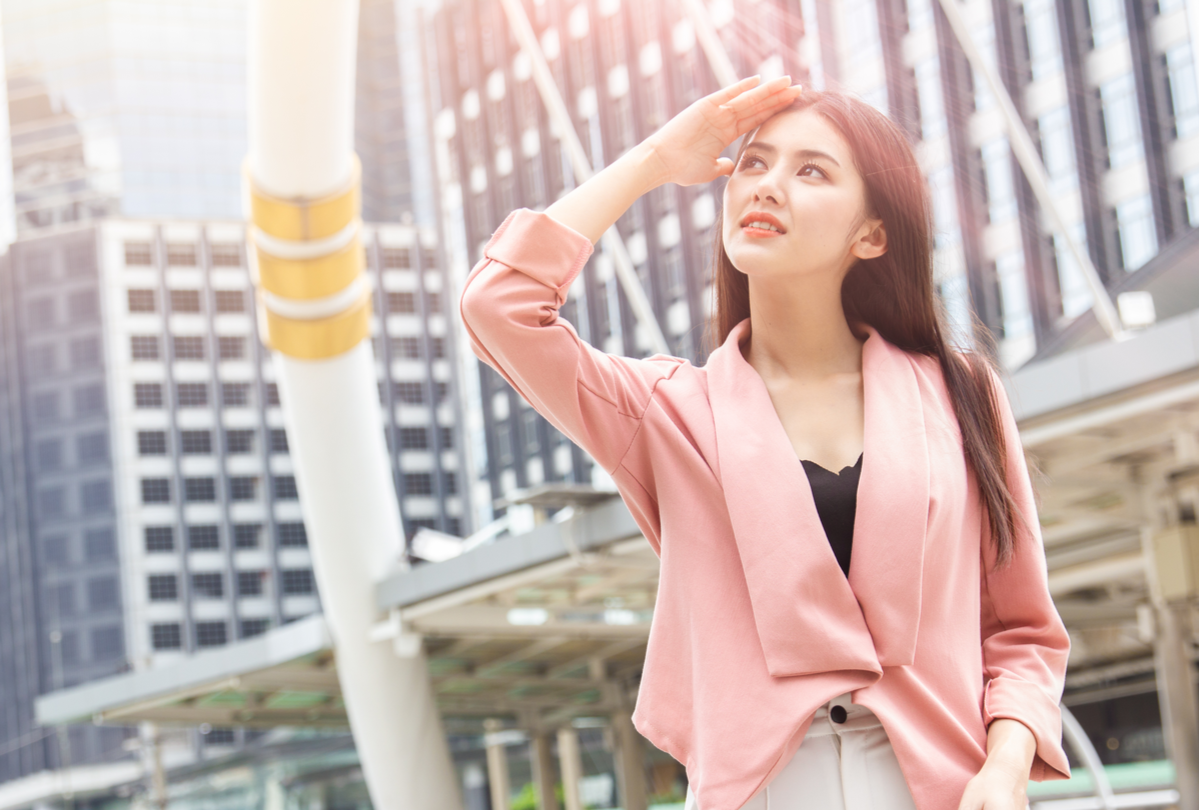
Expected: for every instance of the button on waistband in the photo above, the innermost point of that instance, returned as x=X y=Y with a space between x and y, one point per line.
x=837 y=714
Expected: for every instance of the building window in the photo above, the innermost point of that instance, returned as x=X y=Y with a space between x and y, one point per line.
x=297 y=581
x=230 y=300
x=272 y=394
x=454 y=526
x=49 y=455
x=1002 y=202
x=208 y=585
x=239 y=442
x=159 y=538
x=1041 y=33
x=1107 y=18
x=529 y=426
x=410 y=393
x=407 y=348
x=43 y=359
x=396 y=258
x=235 y=395
x=164 y=587
x=92 y=448
x=1014 y=295
x=199 y=490
x=279 y=441
x=83 y=306
x=210 y=634
x=254 y=627
x=401 y=303
x=250 y=583
x=196 y=442
x=148 y=395
x=504 y=444
x=142 y=301
x=414 y=438
x=107 y=643
x=156 y=490
x=243 y=488
x=185 y=300
x=143 y=347
x=189 y=347
x=85 y=353
x=138 y=254
x=152 y=443
x=89 y=400
x=226 y=255
x=52 y=502
x=447 y=438
x=284 y=487
x=45 y=406
x=98 y=545
x=102 y=593
x=166 y=636
x=450 y=482
x=203 y=538
x=56 y=550
x=245 y=535
x=191 y=395
x=181 y=254
x=1122 y=134
x=231 y=348
x=96 y=497
x=1135 y=225
x=1182 y=80
x=438 y=345
x=292 y=535
x=420 y=483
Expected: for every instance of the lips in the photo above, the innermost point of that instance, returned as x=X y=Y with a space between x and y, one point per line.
x=762 y=216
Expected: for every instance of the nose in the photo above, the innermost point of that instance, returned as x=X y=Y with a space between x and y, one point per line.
x=767 y=188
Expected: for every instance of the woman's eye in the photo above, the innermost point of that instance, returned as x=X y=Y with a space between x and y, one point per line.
x=748 y=159
x=814 y=167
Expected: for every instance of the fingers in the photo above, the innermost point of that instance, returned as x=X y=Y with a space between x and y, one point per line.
x=748 y=99
x=748 y=119
x=726 y=93
x=724 y=166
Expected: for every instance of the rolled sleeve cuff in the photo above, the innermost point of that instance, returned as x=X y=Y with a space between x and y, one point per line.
x=1028 y=704
x=541 y=247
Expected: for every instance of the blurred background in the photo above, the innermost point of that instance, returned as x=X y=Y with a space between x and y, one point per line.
x=162 y=640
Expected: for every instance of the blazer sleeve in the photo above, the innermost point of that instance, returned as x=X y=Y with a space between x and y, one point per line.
x=1025 y=644
x=509 y=306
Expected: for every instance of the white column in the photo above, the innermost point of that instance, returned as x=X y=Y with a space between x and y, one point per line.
x=301 y=103
x=570 y=764
x=497 y=765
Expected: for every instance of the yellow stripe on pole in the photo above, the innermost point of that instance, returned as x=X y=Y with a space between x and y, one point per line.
x=306 y=219
x=320 y=338
x=306 y=279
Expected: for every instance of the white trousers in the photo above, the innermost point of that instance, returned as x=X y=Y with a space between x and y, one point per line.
x=838 y=766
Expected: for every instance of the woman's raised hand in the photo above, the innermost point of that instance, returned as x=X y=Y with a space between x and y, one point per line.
x=687 y=148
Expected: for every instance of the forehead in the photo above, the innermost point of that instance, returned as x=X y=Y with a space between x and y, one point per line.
x=803 y=129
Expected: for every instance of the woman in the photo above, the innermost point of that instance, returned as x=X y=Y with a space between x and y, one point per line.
x=914 y=660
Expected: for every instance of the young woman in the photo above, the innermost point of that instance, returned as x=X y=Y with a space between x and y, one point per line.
x=873 y=638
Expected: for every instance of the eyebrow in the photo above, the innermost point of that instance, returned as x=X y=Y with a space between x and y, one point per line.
x=802 y=153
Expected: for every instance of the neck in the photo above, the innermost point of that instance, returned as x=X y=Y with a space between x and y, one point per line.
x=798 y=329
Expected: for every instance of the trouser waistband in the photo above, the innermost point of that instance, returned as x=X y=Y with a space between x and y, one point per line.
x=857 y=718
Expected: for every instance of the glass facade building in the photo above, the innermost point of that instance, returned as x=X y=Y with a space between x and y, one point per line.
x=1106 y=90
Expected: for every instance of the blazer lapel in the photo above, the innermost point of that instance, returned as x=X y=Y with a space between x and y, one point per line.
x=807 y=614
x=888 y=552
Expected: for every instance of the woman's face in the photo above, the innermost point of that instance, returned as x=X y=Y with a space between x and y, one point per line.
x=797 y=174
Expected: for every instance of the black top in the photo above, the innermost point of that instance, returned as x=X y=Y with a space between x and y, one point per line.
x=836 y=497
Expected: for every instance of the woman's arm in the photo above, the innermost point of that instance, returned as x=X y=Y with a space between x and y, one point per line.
x=509 y=303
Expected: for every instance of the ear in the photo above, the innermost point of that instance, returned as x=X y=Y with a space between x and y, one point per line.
x=873 y=244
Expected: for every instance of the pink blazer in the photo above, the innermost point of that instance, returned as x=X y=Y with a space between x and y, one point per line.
x=755 y=625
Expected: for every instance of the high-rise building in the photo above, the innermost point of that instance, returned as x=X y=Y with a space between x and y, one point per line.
x=148 y=507
x=1109 y=99
x=149 y=502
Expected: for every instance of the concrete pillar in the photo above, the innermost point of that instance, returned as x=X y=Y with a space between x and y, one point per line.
x=497 y=763
x=629 y=761
x=543 y=770
x=571 y=765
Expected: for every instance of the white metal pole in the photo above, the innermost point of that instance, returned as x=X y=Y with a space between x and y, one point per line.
x=557 y=110
x=303 y=197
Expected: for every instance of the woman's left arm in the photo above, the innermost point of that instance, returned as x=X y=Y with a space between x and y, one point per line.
x=1025 y=650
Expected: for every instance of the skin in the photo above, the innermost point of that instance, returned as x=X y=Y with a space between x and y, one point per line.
x=801 y=344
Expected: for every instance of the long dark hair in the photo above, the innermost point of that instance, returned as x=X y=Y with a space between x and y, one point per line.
x=894 y=293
